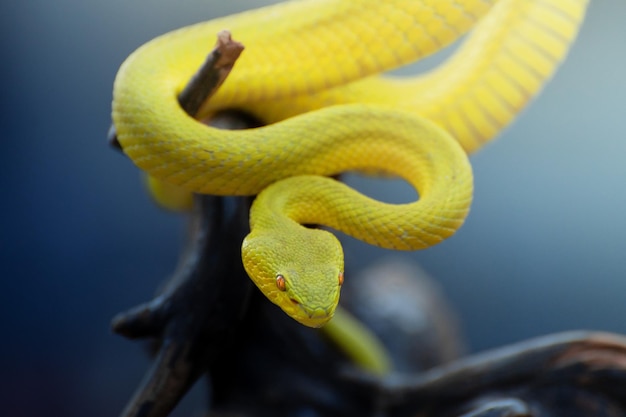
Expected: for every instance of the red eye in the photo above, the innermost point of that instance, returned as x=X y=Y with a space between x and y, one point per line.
x=280 y=282
x=340 y=278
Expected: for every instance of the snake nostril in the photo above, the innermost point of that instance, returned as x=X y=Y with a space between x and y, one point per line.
x=294 y=301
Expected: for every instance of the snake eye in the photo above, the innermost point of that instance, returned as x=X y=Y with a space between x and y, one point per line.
x=280 y=282
x=340 y=279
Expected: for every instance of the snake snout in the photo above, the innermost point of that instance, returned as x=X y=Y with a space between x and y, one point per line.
x=319 y=313
x=315 y=317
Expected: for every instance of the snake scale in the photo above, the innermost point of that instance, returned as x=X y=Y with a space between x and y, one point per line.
x=310 y=71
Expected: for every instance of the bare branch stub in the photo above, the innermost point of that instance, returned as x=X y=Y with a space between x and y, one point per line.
x=211 y=74
x=206 y=80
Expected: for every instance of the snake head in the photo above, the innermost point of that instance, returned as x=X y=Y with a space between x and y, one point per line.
x=300 y=272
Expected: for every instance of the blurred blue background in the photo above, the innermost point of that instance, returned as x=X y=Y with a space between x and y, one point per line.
x=542 y=249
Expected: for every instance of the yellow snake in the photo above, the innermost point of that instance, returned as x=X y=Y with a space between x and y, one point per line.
x=309 y=72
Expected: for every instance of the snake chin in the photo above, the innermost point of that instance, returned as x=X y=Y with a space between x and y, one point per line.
x=312 y=315
x=302 y=275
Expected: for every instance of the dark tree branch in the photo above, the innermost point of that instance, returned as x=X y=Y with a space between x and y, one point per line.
x=194 y=317
x=199 y=310
x=574 y=361
x=143 y=321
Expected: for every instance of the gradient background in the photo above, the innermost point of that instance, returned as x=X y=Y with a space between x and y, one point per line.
x=542 y=249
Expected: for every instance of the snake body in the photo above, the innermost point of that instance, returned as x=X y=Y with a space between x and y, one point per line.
x=495 y=72
x=308 y=71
